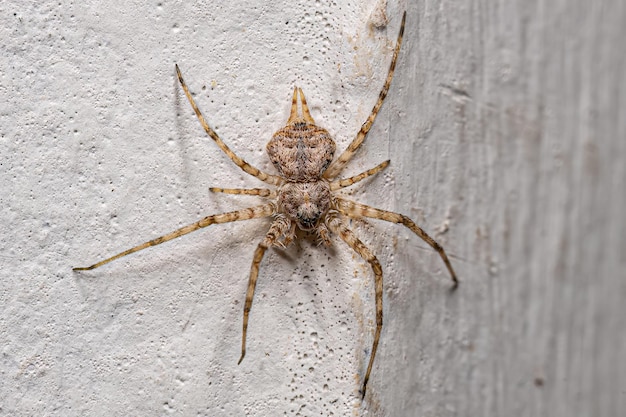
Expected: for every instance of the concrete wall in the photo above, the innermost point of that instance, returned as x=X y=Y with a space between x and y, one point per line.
x=506 y=130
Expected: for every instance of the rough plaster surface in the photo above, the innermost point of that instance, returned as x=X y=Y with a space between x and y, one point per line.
x=505 y=126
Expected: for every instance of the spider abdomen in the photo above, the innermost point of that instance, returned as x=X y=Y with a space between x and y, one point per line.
x=305 y=203
x=301 y=151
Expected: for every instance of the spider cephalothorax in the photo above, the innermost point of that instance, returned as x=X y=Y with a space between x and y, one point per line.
x=303 y=156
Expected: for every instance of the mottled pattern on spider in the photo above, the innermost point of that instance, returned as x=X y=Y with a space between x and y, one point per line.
x=302 y=153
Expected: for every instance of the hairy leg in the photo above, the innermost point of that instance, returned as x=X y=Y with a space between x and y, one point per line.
x=336 y=185
x=268 y=178
x=353 y=209
x=335 y=168
x=334 y=223
x=265 y=210
x=261 y=192
x=280 y=226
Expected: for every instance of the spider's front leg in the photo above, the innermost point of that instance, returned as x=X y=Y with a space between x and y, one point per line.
x=356 y=210
x=279 y=228
x=334 y=223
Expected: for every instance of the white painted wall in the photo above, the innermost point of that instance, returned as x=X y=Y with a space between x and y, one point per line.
x=505 y=126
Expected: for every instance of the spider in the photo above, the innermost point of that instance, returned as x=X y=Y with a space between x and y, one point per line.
x=304 y=197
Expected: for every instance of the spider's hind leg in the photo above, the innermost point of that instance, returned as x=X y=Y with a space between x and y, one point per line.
x=335 y=168
x=255 y=172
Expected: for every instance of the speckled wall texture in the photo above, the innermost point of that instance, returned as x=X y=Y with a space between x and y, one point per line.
x=505 y=129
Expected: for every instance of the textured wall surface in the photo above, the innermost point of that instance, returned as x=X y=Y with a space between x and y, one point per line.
x=506 y=129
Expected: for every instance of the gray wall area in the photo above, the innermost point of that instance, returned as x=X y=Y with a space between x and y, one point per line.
x=505 y=126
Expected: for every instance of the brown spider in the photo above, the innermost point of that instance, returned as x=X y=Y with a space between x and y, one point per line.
x=303 y=155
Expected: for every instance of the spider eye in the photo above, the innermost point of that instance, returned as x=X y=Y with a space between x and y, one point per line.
x=308 y=216
x=308 y=223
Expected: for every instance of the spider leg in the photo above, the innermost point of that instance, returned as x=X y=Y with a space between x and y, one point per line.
x=261 y=192
x=289 y=236
x=335 y=168
x=336 y=185
x=245 y=214
x=333 y=221
x=268 y=178
x=352 y=209
x=280 y=226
